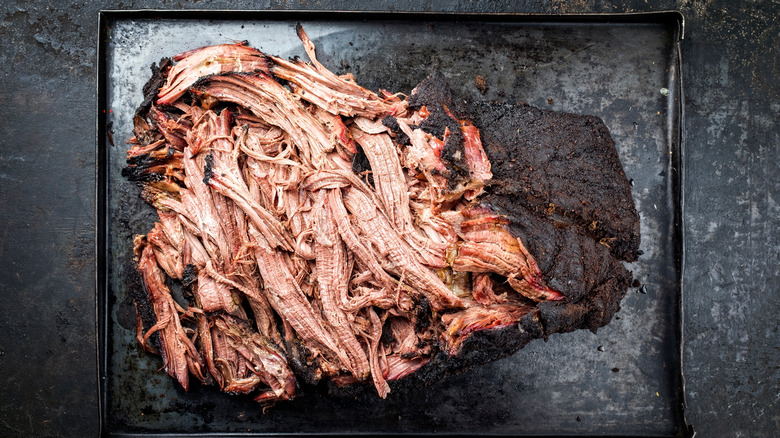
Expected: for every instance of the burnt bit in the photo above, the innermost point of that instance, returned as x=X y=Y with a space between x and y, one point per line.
x=137 y=166
x=361 y=165
x=444 y=108
x=422 y=313
x=190 y=274
x=149 y=168
x=299 y=358
x=208 y=170
x=434 y=89
x=159 y=75
x=142 y=302
x=454 y=156
x=400 y=137
x=387 y=335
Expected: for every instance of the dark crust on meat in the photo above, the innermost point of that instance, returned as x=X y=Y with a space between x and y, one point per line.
x=361 y=166
x=575 y=160
x=143 y=303
x=154 y=83
x=435 y=89
x=572 y=257
x=562 y=166
x=138 y=166
x=436 y=95
x=392 y=123
x=208 y=170
x=571 y=261
x=189 y=275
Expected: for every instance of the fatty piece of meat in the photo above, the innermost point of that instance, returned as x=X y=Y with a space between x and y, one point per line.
x=461 y=324
x=483 y=290
x=562 y=166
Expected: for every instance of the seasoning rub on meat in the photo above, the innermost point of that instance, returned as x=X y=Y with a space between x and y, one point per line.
x=323 y=231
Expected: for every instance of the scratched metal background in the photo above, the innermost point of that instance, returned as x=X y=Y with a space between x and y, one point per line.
x=623 y=380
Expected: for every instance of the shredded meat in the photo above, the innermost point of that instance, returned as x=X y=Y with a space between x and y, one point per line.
x=205 y=61
x=319 y=230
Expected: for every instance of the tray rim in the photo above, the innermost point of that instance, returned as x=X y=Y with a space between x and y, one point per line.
x=659 y=16
x=676 y=139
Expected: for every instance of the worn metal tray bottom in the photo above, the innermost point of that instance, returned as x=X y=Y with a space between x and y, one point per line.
x=624 y=380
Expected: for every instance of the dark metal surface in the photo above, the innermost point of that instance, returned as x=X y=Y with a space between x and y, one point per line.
x=623 y=380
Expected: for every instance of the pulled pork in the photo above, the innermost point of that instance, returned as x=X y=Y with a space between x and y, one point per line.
x=319 y=230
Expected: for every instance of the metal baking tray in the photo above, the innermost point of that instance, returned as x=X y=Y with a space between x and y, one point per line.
x=624 y=380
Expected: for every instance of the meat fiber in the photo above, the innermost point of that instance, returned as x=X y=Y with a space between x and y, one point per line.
x=325 y=232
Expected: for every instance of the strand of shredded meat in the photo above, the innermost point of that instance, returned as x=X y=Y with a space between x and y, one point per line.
x=296 y=264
